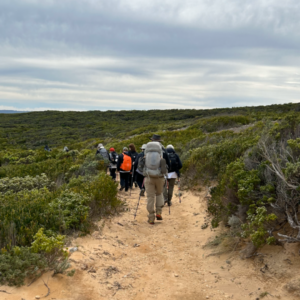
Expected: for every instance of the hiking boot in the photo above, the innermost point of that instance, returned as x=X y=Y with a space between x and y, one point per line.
x=159 y=217
x=122 y=188
x=136 y=185
x=169 y=203
x=142 y=193
x=166 y=201
x=151 y=222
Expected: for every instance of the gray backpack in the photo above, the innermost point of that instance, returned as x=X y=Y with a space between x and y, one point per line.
x=104 y=154
x=155 y=164
x=141 y=165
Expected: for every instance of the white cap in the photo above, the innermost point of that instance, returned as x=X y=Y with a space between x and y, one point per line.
x=100 y=146
x=170 y=146
x=144 y=146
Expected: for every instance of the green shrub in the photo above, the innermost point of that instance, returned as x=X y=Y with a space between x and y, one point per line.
x=21 y=216
x=211 y=159
x=18 y=264
x=263 y=185
x=45 y=254
x=51 y=167
x=70 y=209
x=102 y=191
x=256 y=227
x=104 y=194
x=17 y=184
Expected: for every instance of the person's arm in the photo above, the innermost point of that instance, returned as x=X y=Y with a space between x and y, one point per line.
x=179 y=165
x=120 y=161
x=136 y=163
x=166 y=157
x=179 y=162
x=131 y=165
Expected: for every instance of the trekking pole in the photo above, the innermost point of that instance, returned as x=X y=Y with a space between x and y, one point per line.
x=168 y=196
x=138 y=202
x=131 y=182
x=179 y=193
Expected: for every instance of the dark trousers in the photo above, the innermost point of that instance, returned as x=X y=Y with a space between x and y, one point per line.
x=113 y=173
x=139 y=180
x=169 y=188
x=130 y=180
x=125 y=180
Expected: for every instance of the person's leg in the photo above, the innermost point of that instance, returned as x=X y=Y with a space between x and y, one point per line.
x=150 y=186
x=127 y=175
x=130 y=180
x=114 y=174
x=122 y=180
x=159 y=187
x=171 y=188
x=135 y=179
x=139 y=180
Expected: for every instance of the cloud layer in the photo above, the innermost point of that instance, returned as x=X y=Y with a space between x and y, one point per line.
x=91 y=54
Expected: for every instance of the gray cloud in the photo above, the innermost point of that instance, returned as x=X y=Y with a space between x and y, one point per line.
x=88 y=54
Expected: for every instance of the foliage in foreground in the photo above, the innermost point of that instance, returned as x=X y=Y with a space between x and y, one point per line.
x=262 y=186
x=46 y=253
x=61 y=194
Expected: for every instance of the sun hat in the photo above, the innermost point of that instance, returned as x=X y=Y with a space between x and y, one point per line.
x=155 y=138
x=170 y=146
x=125 y=149
x=144 y=146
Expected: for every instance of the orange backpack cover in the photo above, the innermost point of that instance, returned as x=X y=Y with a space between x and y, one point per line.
x=127 y=164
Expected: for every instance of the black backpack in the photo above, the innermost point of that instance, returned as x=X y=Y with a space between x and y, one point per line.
x=173 y=162
x=114 y=157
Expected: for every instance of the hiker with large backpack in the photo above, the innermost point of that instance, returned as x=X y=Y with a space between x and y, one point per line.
x=156 y=165
x=124 y=166
x=133 y=154
x=113 y=158
x=173 y=173
x=138 y=170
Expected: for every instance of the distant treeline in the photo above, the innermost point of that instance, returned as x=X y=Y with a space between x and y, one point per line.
x=36 y=129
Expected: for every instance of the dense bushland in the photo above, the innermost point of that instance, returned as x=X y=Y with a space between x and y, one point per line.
x=253 y=154
x=35 y=129
x=42 y=200
x=261 y=186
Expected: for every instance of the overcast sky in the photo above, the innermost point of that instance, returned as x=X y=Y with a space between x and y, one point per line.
x=138 y=54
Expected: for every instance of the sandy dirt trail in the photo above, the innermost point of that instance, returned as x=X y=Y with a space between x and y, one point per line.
x=128 y=259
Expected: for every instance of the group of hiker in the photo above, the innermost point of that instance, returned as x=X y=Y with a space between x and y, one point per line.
x=154 y=170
